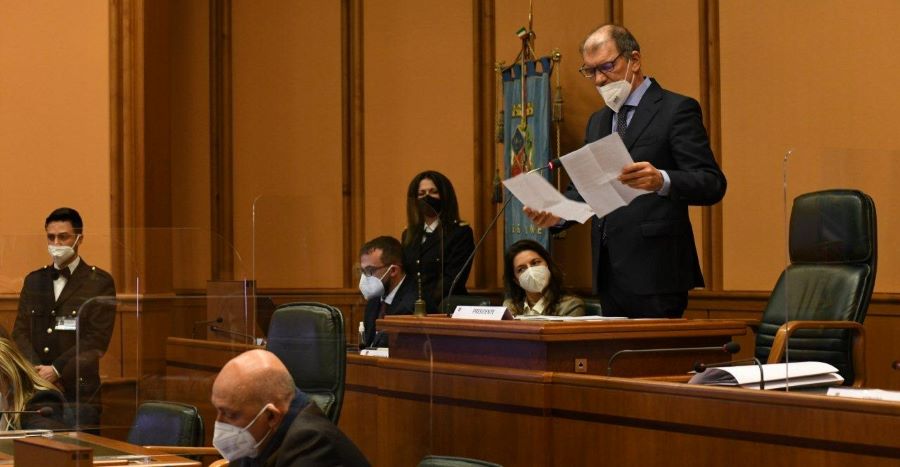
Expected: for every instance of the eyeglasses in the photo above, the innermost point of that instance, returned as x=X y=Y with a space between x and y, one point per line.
x=590 y=72
x=369 y=271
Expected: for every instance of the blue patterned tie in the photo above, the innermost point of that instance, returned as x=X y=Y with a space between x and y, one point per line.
x=622 y=120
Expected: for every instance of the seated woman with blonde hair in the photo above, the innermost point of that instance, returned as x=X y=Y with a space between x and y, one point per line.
x=534 y=284
x=22 y=390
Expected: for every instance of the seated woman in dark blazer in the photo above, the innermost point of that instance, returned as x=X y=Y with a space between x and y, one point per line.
x=534 y=284
x=21 y=389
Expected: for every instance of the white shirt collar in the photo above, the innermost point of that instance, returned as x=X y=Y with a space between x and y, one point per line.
x=537 y=309
x=432 y=226
x=72 y=265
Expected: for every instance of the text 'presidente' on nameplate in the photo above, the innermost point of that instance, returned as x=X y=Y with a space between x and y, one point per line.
x=487 y=313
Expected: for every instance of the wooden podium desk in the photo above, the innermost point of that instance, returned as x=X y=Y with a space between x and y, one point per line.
x=581 y=346
x=507 y=393
x=106 y=447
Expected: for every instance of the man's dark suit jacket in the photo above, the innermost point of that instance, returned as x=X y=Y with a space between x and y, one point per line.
x=404 y=303
x=306 y=438
x=650 y=241
x=458 y=241
x=38 y=339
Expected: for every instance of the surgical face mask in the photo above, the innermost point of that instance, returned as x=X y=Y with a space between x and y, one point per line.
x=371 y=286
x=535 y=279
x=235 y=442
x=615 y=93
x=61 y=254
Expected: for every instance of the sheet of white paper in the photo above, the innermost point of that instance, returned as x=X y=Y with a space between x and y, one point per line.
x=595 y=168
x=537 y=193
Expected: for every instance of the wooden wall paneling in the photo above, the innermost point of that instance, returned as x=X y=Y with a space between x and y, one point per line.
x=353 y=142
x=418 y=105
x=485 y=268
x=221 y=160
x=288 y=142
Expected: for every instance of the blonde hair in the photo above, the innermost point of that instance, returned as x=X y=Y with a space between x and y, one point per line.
x=22 y=380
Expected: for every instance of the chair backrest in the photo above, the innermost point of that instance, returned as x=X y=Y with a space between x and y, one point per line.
x=449 y=461
x=833 y=253
x=592 y=307
x=449 y=304
x=160 y=423
x=309 y=339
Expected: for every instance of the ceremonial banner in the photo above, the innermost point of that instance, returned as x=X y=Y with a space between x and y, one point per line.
x=526 y=146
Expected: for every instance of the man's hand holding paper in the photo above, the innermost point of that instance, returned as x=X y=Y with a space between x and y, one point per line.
x=606 y=176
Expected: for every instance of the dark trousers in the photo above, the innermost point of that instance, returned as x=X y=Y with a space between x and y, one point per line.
x=617 y=302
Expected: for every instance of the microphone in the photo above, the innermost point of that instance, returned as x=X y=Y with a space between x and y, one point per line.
x=218 y=320
x=730 y=348
x=43 y=411
x=701 y=367
x=249 y=338
x=552 y=165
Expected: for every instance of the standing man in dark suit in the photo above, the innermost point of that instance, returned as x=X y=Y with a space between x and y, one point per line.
x=67 y=302
x=644 y=257
x=385 y=285
x=264 y=420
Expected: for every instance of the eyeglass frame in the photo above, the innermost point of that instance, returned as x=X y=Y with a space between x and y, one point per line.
x=370 y=271
x=597 y=68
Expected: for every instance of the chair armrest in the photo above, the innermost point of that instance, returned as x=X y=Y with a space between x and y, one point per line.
x=186 y=450
x=859 y=352
x=219 y=463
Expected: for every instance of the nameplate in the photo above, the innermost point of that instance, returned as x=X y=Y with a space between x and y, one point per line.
x=487 y=313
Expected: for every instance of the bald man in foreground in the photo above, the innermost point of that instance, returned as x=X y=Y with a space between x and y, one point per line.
x=264 y=420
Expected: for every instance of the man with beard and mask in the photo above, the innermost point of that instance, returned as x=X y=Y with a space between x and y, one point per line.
x=384 y=284
x=644 y=258
x=63 y=303
x=263 y=419
x=436 y=243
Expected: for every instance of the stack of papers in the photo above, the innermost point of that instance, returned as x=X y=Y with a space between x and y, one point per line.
x=594 y=169
x=777 y=375
x=870 y=394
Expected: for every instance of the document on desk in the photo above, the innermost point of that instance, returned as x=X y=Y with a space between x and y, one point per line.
x=534 y=191
x=595 y=169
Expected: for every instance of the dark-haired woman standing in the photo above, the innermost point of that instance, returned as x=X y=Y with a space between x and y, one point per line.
x=436 y=242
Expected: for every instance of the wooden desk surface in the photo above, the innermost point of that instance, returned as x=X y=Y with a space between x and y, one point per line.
x=156 y=458
x=397 y=411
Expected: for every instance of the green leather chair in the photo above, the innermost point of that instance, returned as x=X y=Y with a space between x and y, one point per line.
x=592 y=307
x=309 y=339
x=166 y=424
x=819 y=302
